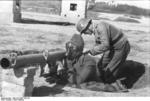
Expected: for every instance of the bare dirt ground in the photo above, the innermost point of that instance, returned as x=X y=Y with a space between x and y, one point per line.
x=27 y=36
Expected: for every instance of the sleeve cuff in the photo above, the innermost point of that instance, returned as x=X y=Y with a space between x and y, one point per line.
x=92 y=52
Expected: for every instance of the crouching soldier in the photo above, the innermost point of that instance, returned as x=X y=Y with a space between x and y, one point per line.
x=112 y=43
x=80 y=67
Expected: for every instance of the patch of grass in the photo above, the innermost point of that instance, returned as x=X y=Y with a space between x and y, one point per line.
x=7 y=42
x=136 y=47
x=120 y=9
x=143 y=40
x=95 y=16
x=38 y=39
x=124 y=19
x=4 y=32
x=102 y=18
x=133 y=16
x=92 y=15
x=42 y=6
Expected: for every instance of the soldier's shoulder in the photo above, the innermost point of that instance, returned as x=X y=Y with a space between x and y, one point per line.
x=89 y=58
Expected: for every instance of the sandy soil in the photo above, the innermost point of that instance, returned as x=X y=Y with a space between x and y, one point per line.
x=26 y=36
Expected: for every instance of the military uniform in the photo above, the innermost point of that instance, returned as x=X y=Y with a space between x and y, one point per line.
x=81 y=68
x=115 y=47
x=84 y=68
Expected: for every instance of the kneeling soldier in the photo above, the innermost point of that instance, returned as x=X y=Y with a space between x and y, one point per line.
x=112 y=43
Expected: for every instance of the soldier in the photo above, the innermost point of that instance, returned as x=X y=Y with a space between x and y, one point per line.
x=112 y=43
x=77 y=67
x=81 y=67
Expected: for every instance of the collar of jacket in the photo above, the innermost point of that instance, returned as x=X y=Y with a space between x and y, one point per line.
x=75 y=60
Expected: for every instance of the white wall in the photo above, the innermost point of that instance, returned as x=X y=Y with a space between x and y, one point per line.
x=6 y=11
x=73 y=16
x=6 y=6
x=9 y=12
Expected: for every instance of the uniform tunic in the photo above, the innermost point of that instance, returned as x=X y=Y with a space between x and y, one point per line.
x=115 y=47
x=85 y=68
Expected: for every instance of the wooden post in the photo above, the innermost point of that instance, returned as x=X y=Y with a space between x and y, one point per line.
x=86 y=5
x=17 y=10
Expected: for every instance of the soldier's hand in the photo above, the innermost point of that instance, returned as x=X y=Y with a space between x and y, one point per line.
x=50 y=80
x=61 y=72
x=87 y=52
x=106 y=69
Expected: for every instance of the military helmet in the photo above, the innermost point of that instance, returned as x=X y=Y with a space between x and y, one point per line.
x=83 y=24
x=74 y=47
x=78 y=41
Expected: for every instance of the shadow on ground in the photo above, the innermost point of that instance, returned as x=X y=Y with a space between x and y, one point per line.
x=136 y=74
x=47 y=91
x=32 y=21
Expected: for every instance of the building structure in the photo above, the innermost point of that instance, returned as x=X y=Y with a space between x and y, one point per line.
x=74 y=10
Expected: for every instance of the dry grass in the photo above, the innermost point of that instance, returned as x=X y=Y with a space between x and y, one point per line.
x=124 y=19
x=42 y=6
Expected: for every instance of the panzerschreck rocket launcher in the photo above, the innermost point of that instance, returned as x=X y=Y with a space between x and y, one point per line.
x=21 y=61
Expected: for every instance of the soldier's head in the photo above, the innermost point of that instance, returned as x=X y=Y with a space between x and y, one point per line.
x=84 y=26
x=74 y=47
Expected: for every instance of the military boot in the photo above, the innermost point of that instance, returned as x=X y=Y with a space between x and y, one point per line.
x=120 y=87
